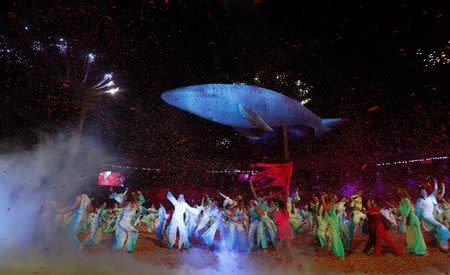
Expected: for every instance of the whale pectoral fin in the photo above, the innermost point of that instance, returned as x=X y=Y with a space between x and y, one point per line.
x=252 y=134
x=254 y=118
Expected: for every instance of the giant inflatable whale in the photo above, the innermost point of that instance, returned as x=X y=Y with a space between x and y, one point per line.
x=245 y=108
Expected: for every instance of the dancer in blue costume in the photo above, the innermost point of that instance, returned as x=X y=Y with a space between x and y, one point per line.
x=96 y=235
x=256 y=233
x=217 y=224
x=79 y=210
x=268 y=224
x=236 y=233
x=162 y=218
x=424 y=210
x=177 y=223
x=205 y=216
x=126 y=235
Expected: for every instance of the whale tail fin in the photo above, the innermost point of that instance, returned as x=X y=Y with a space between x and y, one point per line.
x=325 y=126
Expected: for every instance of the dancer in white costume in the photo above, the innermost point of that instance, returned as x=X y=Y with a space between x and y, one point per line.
x=205 y=217
x=177 y=222
x=357 y=217
x=424 y=209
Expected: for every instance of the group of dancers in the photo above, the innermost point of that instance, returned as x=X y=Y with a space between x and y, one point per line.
x=262 y=223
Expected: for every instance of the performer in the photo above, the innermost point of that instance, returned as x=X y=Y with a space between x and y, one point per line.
x=381 y=233
x=217 y=224
x=424 y=209
x=357 y=217
x=126 y=234
x=205 y=216
x=336 y=247
x=162 y=218
x=284 y=232
x=322 y=225
x=342 y=221
x=445 y=205
x=266 y=220
x=236 y=232
x=177 y=223
x=96 y=235
x=414 y=239
x=80 y=210
x=256 y=232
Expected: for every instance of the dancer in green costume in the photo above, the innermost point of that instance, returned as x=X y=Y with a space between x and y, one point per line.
x=414 y=238
x=335 y=244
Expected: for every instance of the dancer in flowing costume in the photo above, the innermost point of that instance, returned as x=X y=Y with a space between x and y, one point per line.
x=424 y=210
x=335 y=243
x=87 y=223
x=294 y=221
x=150 y=219
x=357 y=217
x=177 y=223
x=322 y=226
x=111 y=224
x=306 y=218
x=162 y=218
x=314 y=208
x=80 y=210
x=256 y=232
x=192 y=220
x=381 y=232
x=216 y=224
x=96 y=234
x=205 y=217
x=284 y=232
x=270 y=227
x=414 y=239
x=446 y=213
x=108 y=225
x=342 y=222
x=297 y=213
x=141 y=210
x=126 y=234
x=236 y=233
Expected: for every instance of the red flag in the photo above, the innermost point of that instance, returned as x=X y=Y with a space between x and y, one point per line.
x=109 y=178
x=272 y=179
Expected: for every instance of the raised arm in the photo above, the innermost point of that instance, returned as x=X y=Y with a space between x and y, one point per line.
x=141 y=200
x=435 y=186
x=253 y=189
x=172 y=199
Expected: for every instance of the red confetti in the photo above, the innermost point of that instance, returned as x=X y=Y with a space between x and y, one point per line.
x=66 y=85
x=133 y=108
x=109 y=18
x=364 y=166
x=12 y=15
x=413 y=94
x=256 y=2
x=374 y=108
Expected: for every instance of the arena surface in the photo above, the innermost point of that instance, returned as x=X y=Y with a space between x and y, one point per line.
x=151 y=258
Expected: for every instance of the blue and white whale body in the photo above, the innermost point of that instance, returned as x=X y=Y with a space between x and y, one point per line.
x=245 y=107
